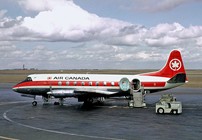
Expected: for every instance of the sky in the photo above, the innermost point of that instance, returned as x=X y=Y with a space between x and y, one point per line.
x=99 y=34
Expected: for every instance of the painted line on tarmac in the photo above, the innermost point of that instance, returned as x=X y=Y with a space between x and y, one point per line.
x=54 y=131
x=7 y=138
x=9 y=103
x=16 y=102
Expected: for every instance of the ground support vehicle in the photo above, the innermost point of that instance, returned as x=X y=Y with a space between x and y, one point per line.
x=168 y=104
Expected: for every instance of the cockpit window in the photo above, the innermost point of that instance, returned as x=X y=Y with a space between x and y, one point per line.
x=27 y=79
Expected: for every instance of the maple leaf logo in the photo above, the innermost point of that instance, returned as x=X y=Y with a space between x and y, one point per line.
x=175 y=64
x=49 y=78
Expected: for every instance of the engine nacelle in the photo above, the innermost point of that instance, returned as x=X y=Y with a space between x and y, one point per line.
x=61 y=93
x=124 y=84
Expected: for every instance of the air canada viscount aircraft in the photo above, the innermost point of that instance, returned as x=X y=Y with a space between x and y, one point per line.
x=90 y=87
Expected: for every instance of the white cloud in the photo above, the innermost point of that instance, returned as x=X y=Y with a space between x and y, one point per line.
x=14 y=57
x=40 y=5
x=159 y=36
x=9 y=54
x=164 y=29
x=158 y=5
x=191 y=32
x=199 y=42
x=2 y=13
x=105 y=42
x=69 y=22
x=163 y=41
x=165 y=5
x=9 y=22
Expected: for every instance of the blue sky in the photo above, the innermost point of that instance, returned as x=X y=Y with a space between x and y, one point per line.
x=94 y=34
x=187 y=13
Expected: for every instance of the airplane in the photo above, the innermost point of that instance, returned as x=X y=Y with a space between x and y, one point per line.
x=90 y=87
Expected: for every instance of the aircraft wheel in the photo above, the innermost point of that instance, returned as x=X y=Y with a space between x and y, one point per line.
x=34 y=103
x=175 y=112
x=88 y=101
x=56 y=103
x=160 y=110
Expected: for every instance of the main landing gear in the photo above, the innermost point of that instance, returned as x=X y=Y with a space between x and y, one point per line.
x=60 y=102
x=45 y=99
x=95 y=100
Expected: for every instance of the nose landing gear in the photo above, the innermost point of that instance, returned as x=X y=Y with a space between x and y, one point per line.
x=34 y=103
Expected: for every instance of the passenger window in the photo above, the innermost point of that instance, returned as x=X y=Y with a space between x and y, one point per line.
x=112 y=83
x=97 y=83
x=83 y=84
x=90 y=83
x=59 y=83
x=67 y=83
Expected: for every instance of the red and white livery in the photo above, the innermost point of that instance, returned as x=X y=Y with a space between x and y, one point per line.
x=85 y=87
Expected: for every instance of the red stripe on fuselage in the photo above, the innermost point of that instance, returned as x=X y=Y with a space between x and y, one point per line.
x=153 y=84
x=83 y=83
x=67 y=83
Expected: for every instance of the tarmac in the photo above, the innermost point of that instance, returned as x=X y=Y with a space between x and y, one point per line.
x=113 y=120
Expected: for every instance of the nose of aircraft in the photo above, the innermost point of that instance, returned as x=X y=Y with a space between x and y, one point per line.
x=15 y=88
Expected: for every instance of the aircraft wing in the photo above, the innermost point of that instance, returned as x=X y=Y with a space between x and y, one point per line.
x=79 y=92
x=95 y=91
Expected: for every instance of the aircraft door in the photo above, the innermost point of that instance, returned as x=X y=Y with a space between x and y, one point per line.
x=136 y=84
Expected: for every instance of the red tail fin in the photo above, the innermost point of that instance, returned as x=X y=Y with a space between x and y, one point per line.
x=174 y=65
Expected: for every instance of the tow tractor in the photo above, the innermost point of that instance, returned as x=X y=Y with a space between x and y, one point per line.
x=168 y=104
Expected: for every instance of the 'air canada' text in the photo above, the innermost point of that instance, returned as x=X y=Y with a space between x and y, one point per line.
x=71 y=78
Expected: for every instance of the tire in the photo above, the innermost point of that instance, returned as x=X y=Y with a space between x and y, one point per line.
x=56 y=103
x=160 y=111
x=175 y=112
x=34 y=103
